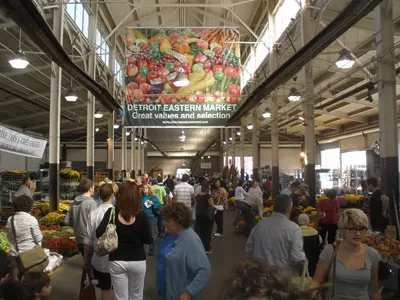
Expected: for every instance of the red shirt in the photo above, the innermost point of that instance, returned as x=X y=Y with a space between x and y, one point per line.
x=331 y=210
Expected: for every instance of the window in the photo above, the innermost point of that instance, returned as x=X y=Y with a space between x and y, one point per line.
x=80 y=15
x=104 y=50
x=284 y=16
x=118 y=72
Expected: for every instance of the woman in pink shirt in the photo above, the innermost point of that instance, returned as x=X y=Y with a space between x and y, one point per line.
x=329 y=210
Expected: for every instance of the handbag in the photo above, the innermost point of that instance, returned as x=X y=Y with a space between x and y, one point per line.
x=89 y=292
x=108 y=242
x=33 y=260
x=303 y=282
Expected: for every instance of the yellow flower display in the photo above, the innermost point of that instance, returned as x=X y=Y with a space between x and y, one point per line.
x=64 y=208
x=309 y=210
x=353 y=199
x=267 y=210
x=232 y=199
x=68 y=173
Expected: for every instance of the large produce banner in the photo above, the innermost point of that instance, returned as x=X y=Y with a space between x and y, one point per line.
x=208 y=58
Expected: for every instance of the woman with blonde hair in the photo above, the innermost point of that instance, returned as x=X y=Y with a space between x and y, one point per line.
x=151 y=206
x=350 y=265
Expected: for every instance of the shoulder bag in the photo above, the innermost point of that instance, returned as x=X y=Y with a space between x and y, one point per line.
x=33 y=260
x=108 y=242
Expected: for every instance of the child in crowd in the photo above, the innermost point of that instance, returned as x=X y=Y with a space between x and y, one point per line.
x=36 y=285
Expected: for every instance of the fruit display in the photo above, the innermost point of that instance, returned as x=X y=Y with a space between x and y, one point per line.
x=389 y=248
x=208 y=58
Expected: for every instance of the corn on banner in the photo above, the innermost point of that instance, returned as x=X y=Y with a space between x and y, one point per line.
x=181 y=77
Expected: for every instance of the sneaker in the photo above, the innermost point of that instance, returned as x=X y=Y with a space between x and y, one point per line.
x=208 y=252
x=218 y=234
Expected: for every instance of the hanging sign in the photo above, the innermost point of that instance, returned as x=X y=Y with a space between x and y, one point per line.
x=205 y=166
x=181 y=77
x=17 y=143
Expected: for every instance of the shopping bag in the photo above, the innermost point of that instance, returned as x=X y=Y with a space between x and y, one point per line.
x=303 y=281
x=87 y=291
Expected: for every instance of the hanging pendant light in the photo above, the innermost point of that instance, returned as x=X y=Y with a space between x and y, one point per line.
x=266 y=114
x=19 y=61
x=116 y=126
x=181 y=79
x=302 y=118
x=238 y=133
x=71 y=95
x=97 y=129
x=250 y=126
x=128 y=133
x=294 y=95
x=98 y=114
x=345 y=60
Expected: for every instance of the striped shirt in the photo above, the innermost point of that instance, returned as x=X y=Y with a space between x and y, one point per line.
x=183 y=193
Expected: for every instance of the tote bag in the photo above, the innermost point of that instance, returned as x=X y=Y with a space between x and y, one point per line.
x=34 y=260
x=108 y=242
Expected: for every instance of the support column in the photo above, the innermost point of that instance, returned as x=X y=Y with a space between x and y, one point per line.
x=133 y=156
x=308 y=108
x=233 y=145
x=221 y=150
x=123 y=152
x=255 y=148
x=55 y=111
x=227 y=147
x=242 y=135
x=142 y=166
x=386 y=79
x=274 y=103
x=139 y=152
x=91 y=99
x=111 y=120
x=110 y=147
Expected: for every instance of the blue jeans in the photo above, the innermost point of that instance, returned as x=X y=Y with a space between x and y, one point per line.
x=153 y=227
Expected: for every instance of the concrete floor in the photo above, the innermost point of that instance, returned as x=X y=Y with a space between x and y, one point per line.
x=226 y=252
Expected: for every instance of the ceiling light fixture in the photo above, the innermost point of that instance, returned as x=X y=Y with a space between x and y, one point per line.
x=116 y=126
x=345 y=60
x=97 y=129
x=181 y=79
x=294 y=95
x=136 y=139
x=250 y=126
x=266 y=114
x=302 y=118
x=230 y=138
x=71 y=95
x=224 y=142
x=127 y=133
x=141 y=142
x=208 y=157
x=202 y=157
x=19 y=61
x=98 y=114
x=238 y=133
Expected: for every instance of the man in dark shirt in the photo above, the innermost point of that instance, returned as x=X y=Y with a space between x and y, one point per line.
x=379 y=204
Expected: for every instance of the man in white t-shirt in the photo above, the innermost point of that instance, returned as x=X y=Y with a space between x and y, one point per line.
x=184 y=192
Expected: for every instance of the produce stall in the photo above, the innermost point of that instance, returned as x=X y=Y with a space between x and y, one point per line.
x=56 y=237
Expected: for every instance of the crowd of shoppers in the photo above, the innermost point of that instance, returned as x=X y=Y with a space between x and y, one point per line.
x=276 y=247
